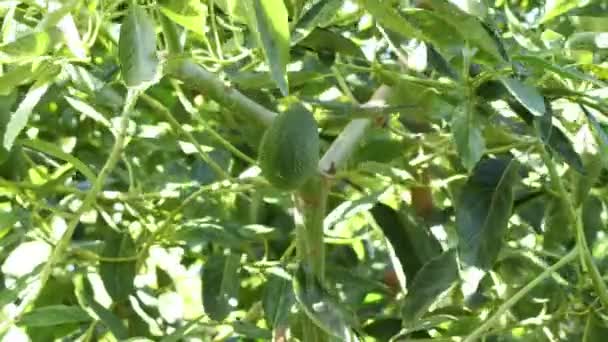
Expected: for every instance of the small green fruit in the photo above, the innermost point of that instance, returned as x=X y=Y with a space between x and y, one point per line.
x=289 y=152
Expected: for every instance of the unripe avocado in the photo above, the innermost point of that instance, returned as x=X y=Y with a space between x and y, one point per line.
x=289 y=151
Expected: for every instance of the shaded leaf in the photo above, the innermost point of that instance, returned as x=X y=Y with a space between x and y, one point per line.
x=390 y=18
x=85 y=296
x=221 y=285
x=277 y=300
x=118 y=276
x=54 y=315
x=137 y=47
x=469 y=27
x=592 y=218
x=468 y=137
x=483 y=210
x=551 y=135
x=321 y=307
x=317 y=16
x=527 y=95
x=595 y=328
x=383 y=328
x=53 y=150
x=556 y=234
x=388 y=220
x=324 y=41
x=434 y=278
x=269 y=20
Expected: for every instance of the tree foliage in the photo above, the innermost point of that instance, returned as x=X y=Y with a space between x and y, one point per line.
x=459 y=194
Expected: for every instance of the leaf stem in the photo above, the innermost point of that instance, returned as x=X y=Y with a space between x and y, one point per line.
x=476 y=334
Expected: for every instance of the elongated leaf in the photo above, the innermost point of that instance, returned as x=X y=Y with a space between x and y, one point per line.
x=84 y=294
x=469 y=27
x=88 y=110
x=592 y=218
x=600 y=135
x=556 y=234
x=391 y=19
x=322 y=308
x=29 y=46
x=555 y=8
x=571 y=73
x=269 y=20
x=527 y=95
x=277 y=301
x=16 y=77
x=551 y=135
x=221 y=285
x=191 y=16
x=436 y=276
x=19 y=119
x=117 y=276
x=137 y=47
x=388 y=220
x=56 y=152
x=317 y=16
x=468 y=137
x=54 y=315
x=324 y=41
x=483 y=210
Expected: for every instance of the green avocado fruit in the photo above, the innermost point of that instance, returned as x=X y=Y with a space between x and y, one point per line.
x=289 y=151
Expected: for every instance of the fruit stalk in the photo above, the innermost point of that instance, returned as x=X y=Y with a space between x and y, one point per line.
x=310 y=201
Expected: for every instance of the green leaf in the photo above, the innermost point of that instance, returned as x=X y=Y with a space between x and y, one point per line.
x=592 y=218
x=527 y=95
x=436 y=277
x=277 y=300
x=84 y=294
x=382 y=329
x=555 y=8
x=137 y=47
x=269 y=20
x=221 y=283
x=469 y=27
x=15 y=77
x=54 y=315
x=324 y=41
x=556 y=234
x=118 y=276
x=390 y=223
x=468 y=137
x=89 y=111
x=318 y=15
x=542 y=66
x=551 y=135
x=391 y=19
x=600 y=135
x=53 y=150
x=21 y=116
x=192 y=15
x=321 y=307
x=30 y=46
x=483 y=209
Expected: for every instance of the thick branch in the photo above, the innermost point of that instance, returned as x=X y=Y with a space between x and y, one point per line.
x=348 y=140
x=195 y=76
x=337 y=154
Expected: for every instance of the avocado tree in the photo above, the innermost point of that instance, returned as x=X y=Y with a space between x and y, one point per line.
x=303 y=170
